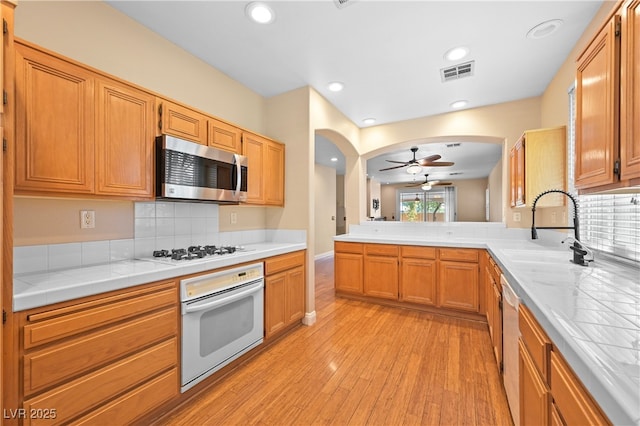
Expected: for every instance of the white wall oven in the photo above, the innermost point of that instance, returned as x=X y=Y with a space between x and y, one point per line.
x=222 y=318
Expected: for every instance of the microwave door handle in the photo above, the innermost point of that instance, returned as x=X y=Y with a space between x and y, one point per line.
x=238 y=173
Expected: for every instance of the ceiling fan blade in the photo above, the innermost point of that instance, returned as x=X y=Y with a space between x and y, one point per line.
x=398 y=162
x=438 y=164
x=429 y=159
x=440 y=183
x=394 y=167
x=415 y=184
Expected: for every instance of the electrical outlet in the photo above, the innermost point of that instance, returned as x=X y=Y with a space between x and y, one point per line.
x=234 y=218
x=87 y=219
x=517 y=216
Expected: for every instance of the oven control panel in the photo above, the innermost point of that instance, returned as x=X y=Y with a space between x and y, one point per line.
x=218 y=281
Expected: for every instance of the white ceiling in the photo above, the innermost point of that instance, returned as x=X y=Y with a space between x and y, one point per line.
x=387 y=53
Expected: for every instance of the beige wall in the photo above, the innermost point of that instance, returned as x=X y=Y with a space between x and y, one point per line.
x=494 y=183
x=388 y=201
x=470 y=198
x=52 y=221
x=341 y=226
x=325 y=210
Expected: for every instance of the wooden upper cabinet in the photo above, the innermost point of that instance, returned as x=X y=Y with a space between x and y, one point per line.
x=180 y=121
x=224 y=136
x=274 y=182
x=597 y=83
x=124 y=140
x=538 y=163
x=253 y=148
x=265 y=170
x=54 y=124
x=630 y=92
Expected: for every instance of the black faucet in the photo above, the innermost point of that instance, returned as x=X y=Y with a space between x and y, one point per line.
x=578 y=251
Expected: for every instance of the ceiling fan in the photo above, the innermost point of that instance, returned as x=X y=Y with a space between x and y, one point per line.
x=426 y=185
x=415 y=166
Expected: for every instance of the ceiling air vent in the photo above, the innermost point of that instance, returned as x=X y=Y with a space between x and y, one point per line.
x=453 y=145
x=343 y=3
x=455 y=173
x=457 y=71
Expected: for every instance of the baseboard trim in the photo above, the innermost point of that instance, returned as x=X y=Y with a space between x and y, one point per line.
x=309 y=318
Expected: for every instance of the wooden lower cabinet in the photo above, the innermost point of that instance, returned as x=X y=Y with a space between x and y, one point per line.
x=534 y=394
x=71 y=364
x=420 y=275
x=349 y=267
x=381 y=271
x=550 y=393
x=284 y=291
x=573 y=403
x=458 y=286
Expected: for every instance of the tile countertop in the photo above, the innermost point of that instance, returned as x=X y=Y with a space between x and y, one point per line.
x=592 y=314
x=32 y=290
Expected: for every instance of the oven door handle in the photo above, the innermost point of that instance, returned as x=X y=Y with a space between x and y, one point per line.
x=196 y=307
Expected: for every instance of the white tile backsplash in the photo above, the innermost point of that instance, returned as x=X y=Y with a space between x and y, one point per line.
x=157 y=225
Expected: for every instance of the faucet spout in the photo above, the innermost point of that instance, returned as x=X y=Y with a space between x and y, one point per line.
x=578 y=250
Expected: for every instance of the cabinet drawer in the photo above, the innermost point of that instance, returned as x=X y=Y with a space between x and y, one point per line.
x=283 y=262
x=418 y=252
x=52 y=365
x=135 y=403
x=88 y=392
x=456 y=254
x=381 y=249
x=342 y=247
x=535 y=340
x=572 y=400
x=87 y=316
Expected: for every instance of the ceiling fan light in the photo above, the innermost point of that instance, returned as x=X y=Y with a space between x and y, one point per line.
x=426 y=187
x=414 y=169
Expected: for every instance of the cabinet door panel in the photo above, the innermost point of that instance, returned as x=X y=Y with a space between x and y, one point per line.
x=54 y=124
x=534 y=395
x=182 y=122
x=381 y=277
x=596 y=110
x=224 y=136
x=418 y=281
x=458 y=286
x=349 y=272
x=274 y=184
x=630 y=92
x=295 y=294
x=275 y=317
x=572 y=400
x=254 y=149
x=124 y=140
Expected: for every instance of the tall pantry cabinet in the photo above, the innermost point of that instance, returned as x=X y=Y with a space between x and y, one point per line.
x=607 y=105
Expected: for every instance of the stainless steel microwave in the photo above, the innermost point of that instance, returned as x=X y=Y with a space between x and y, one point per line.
x=190 y=171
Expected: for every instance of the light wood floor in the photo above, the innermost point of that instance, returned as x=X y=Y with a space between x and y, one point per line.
x=361 y=364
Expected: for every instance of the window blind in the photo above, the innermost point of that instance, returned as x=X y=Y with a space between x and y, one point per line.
x=608 y=222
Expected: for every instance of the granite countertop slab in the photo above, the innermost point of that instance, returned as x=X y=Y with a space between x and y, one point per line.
x=32 y=290
x=592 y=314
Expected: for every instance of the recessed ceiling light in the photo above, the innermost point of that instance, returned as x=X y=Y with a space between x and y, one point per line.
x=545 y=29
x=459 y=104
x=369 y=120
x=334 y=159
x=456 y=53
x=260 y=13
x=336 y=86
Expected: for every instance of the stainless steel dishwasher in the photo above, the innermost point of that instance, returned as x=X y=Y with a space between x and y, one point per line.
x=510 y=335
